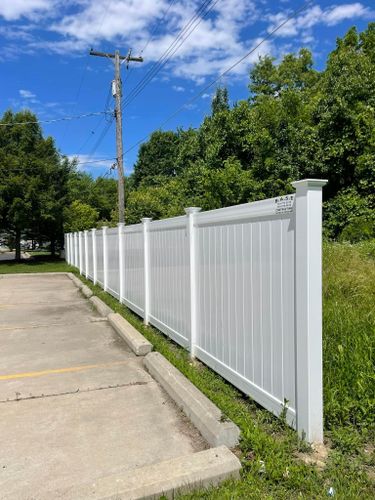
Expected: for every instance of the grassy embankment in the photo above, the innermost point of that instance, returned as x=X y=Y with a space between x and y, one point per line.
x=270 y=452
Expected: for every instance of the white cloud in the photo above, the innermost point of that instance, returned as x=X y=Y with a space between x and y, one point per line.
x=12 y=10
x=217 y=41
x=109 y=19
x=303 y=24
x=26 y=94
x=76 y=25
x=178 y=88
x=217 y=36
x=88 y=162
x=339 y=13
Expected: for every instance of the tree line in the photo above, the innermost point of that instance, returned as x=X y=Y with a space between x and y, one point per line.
x=296 y=122
x=43 y=193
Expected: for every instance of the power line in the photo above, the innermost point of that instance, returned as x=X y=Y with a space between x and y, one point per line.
x=181 y=38
x=153 y=31
x=169 y=52
x=117 y=93
x=101 y=138
x=228 y=70
x=171 y=3
x=34 y=168
x=92 y=132
x=54 y=120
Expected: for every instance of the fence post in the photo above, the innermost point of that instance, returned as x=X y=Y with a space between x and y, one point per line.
x=146 y=262
x=94 y=262
x=105 y=259
x=191 y=214
x=86 y=253
x=80 y=247
x=71 y=249
x=75 y=250
x=121 y=266
x=66 y=247
x=308 y=303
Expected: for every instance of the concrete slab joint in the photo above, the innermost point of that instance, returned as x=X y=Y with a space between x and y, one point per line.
x=204 y=414
x=86 y=291
x=100 y=306
x=78 y=283
x=135 y=340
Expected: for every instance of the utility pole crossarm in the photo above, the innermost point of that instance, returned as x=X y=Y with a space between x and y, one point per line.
x=118 y=115
x=127 y=58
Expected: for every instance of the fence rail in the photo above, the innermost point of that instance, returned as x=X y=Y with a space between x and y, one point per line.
x=240 y=287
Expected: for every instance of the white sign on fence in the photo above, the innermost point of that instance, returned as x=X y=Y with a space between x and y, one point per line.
x=240 y=287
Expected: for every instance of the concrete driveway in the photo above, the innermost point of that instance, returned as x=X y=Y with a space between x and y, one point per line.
x=76 y=405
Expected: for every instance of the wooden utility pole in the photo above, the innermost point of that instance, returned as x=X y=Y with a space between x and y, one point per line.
x=117 y=91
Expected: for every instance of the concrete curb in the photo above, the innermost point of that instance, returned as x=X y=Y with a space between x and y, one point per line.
x=135 y=340
x=182 y=474
x=86 y=291
x=204 y=414
x=78 y=283
x=100 y=306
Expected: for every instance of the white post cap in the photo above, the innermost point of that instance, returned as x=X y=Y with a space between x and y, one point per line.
x=192 y=210
x=305 y=184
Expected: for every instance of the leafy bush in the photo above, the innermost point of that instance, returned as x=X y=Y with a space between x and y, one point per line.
x=349 y=217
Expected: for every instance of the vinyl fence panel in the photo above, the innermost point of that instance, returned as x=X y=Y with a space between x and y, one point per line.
x=240 y=287
x=113 y=281
x=169 y=279
x=90 y=257
x=99 y=258
x=133 y=258
x=245 y=298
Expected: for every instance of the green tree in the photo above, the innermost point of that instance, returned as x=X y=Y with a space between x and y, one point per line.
x=297 y=122
x=220 y=101
x=157 y=157
x=80 y=216
x=33 y=181
x=345 y=114
x=99 y=193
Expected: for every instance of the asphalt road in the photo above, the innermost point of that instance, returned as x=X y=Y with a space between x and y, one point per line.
x=9 y=256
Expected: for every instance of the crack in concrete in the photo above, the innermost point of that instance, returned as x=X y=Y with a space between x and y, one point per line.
x=78 y=391
x=44 y=325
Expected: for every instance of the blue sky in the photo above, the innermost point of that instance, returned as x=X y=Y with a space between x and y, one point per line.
x=45 y=64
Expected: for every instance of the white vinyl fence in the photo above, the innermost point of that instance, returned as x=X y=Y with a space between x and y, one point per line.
x=240 y=287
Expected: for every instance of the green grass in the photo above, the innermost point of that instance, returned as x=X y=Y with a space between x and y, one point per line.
x=349 y=343
x=38 y=264
x=348 y=322
x=39 y=253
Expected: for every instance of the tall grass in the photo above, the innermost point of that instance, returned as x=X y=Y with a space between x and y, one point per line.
x=349 y=335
